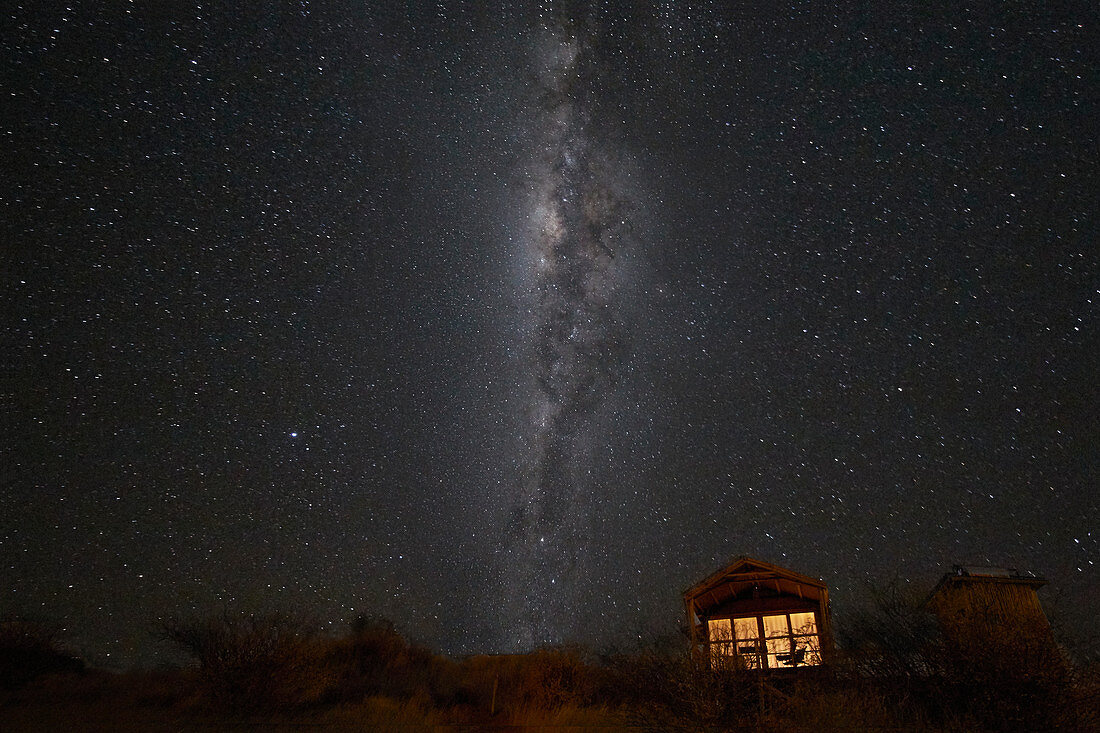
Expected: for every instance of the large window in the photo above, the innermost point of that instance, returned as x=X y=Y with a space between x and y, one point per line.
x=776 y=641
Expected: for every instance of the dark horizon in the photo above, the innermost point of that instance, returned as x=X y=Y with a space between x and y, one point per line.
x=510 y=325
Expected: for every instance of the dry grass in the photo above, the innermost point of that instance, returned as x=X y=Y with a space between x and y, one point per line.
x=375 y=680
x=99 y=701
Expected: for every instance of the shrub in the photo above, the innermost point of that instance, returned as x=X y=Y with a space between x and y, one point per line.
x=30 y=649
x=254 y=663
x=545 y=679
x=376 y=660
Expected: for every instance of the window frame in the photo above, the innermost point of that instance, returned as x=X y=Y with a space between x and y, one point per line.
x=755 y=653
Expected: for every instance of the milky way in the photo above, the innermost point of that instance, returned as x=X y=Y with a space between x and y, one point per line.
x=577 y=226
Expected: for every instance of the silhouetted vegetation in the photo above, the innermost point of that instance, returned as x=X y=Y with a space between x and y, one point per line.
x=981 y=672
x=31 y=649
x=898 y=670
x=255 y=663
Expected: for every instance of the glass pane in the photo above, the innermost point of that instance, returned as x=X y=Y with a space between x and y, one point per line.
x=746 y=628
x=749 y=660
x=779 y=652
x=810 y=642
x=807 y=649
x=721 y=642
x=747 y=631
x=776 y=626
x=803 y=623
x=718 y=629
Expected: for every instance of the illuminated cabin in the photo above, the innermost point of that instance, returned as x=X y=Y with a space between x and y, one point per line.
x=755 y=615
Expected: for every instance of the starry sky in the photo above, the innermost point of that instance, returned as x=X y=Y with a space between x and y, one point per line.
x=509 y=323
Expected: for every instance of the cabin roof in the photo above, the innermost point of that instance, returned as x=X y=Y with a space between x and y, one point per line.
x=726 y=583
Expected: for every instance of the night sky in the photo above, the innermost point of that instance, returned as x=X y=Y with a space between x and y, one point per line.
x=511 y=323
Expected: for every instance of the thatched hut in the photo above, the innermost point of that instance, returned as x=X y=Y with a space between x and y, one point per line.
x=979 y=606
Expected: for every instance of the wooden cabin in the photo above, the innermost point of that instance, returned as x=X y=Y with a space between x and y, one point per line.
x=983 y=605
x=754 y=615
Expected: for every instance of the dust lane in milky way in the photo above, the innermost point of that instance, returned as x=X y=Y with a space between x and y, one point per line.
x=577 y=225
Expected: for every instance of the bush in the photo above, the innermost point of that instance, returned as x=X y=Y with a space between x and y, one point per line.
x=254 y=663
x=376 y=660
x=30 y=649
x=663 y=685
x=545 y=679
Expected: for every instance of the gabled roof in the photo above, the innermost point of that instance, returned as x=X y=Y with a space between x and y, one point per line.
x=747 y=572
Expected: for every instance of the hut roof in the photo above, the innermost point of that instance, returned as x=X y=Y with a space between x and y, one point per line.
x=964 y=574
x=746 y=572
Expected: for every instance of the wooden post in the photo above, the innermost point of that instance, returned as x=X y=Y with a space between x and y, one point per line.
x=689 y=606
x=760 y=688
